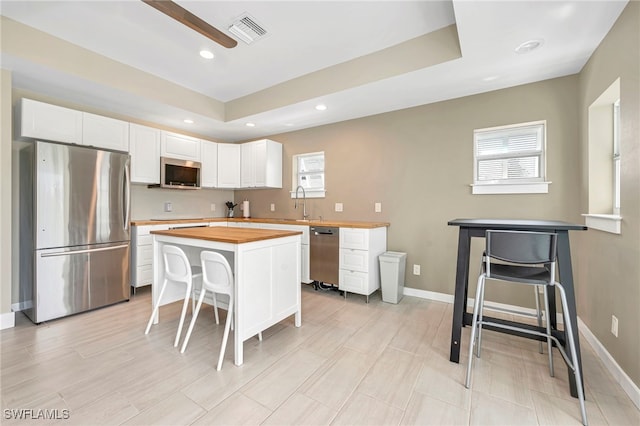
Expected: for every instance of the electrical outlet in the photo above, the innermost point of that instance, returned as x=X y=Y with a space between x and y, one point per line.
x=614 y=325
x=213 y=207
x=416 y=269
x=378 y=207
x=338 y=207
x=273 y=207
x=168 y=207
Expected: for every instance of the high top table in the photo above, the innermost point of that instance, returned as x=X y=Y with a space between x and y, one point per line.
x=470 y=228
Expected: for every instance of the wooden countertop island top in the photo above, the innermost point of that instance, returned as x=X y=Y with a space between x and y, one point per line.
x=227 y=234
x=232 y=221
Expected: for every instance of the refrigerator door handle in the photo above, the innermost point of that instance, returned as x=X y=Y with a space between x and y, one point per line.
x=69 y=253
x=127 y=201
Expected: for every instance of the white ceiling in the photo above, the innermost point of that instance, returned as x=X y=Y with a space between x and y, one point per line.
x=305 y=37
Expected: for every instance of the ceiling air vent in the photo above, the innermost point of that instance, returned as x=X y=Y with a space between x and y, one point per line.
x=247 y=29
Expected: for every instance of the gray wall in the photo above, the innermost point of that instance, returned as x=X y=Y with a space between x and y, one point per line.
x=5 y=193
x=148 y=203
x=418 y=163
x=609 y=265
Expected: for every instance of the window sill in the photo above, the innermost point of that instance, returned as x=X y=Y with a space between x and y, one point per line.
x=511 y=188
x=309 y=194
x=603 y=222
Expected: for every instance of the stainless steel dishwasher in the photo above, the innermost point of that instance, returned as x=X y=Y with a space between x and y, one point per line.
x=324 y=255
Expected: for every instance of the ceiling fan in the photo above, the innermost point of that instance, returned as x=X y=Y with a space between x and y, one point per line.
x=187 y=18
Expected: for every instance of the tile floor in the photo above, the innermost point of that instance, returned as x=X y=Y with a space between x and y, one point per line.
x=350 y=363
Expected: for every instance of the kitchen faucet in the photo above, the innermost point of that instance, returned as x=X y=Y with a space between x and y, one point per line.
x=304 y=202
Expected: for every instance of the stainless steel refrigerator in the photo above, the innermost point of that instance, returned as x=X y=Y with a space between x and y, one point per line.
x=74 y=229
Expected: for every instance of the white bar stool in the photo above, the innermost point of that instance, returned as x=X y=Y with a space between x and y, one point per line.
x=176 y=269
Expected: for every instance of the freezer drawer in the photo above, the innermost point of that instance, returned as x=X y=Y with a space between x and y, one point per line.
x=72 y=280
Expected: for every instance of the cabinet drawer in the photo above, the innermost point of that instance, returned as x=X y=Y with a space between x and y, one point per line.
x=353 y=281
x=145 y=240
x=354 y=238
x=354 y=260
x=144 y=275
x=144 y=255
x=142 y=230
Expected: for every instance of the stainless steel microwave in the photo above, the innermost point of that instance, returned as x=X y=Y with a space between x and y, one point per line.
x=179 y=174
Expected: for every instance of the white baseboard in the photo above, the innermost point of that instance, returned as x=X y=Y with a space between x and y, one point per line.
x=429 y=295
x=610 y=364
x=7 y=320
x=491 y=306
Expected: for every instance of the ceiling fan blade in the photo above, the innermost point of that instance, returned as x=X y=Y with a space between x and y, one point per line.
x=187 y=18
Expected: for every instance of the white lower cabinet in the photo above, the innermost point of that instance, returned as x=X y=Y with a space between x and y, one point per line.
x=359 y=250
x=142 y=250
x=142 y=254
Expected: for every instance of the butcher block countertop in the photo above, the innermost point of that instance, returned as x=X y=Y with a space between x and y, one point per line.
x=227 y=234
x=231 y=221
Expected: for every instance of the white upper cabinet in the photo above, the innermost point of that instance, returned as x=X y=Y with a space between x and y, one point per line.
x=39 y=120
x=261 y=165
x=144 y=148
x=228 y=165
x=105 y=132
x=174 y=145
x=209 y=171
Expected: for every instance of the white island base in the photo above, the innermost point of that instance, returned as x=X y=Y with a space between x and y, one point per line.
x=267 y=272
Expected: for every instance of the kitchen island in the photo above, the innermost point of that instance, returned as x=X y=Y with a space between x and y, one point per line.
x=267 y=268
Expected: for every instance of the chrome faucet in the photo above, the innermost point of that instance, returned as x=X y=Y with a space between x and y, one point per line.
x=304 y=202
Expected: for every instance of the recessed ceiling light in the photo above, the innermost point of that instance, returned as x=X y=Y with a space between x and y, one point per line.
x=321 y=107
x=206 y=54
x=529 y=46
x=288 y=124
x=250 y=124
x=188 y=121
x=490 y=78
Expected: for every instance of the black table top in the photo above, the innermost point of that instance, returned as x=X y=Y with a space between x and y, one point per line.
x=518 y=224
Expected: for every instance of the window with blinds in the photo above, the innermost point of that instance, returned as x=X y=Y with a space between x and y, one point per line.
x=510 y=155
x=308 y=173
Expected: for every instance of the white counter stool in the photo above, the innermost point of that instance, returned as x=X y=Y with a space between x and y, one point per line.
x=524 y=253
x=217 y=278
x=176 y=269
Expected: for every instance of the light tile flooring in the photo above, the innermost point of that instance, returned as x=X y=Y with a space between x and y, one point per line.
x=350 y=363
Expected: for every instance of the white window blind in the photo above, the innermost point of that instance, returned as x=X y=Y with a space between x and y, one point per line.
x=510 y=154
x=308 y=172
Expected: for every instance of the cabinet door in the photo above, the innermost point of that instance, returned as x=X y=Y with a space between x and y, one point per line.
x=181 y=147
x=228 y=165
x=260 y=165
x=144 y=148
x=105 y=132
x=247 y=165
x=209 y=172
x=39 y=120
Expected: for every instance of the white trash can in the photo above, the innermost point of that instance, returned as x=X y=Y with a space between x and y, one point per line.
x=392 y=268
